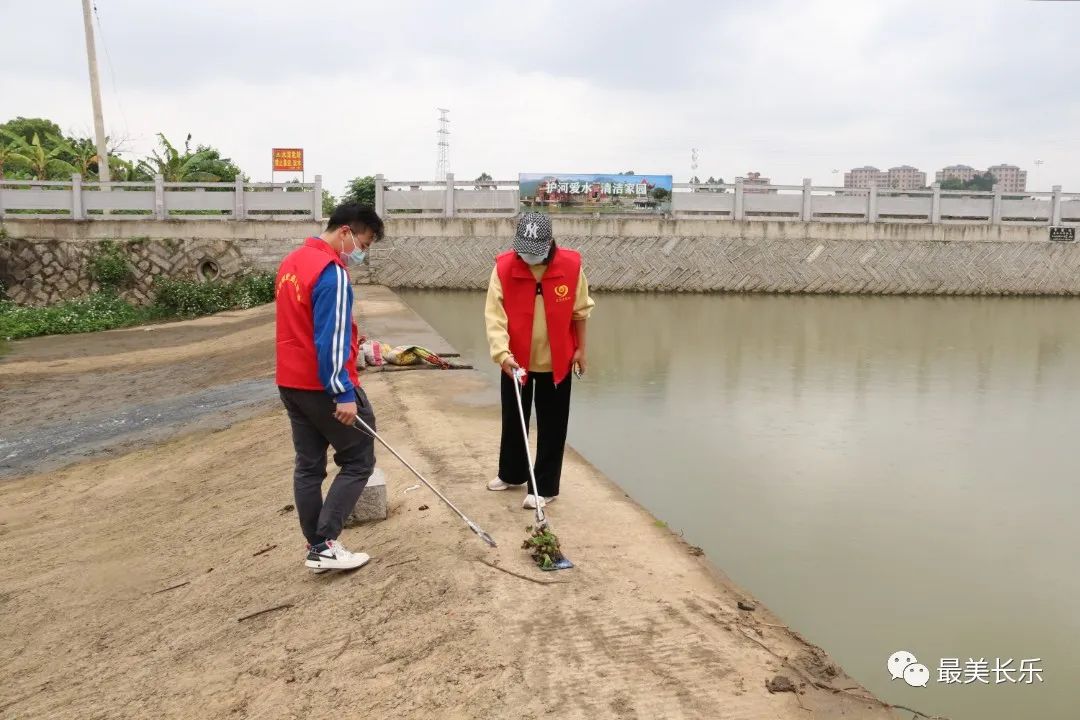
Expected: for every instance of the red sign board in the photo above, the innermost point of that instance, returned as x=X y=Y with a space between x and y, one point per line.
x=288 y=159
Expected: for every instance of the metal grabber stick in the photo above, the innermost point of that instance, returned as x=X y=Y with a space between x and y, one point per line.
x=541 y=519
x=364 y=427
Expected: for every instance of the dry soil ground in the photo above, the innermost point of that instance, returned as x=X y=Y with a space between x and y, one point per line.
x=140 y=520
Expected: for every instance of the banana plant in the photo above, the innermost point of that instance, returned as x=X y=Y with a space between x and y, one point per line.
x=175 y=166
x=11 y=158
x=123 y=170
x=43 y=164
x=81 y=153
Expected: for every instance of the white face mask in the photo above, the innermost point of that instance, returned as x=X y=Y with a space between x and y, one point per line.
x=355 y=257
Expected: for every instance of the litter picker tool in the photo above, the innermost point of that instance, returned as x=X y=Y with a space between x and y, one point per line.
x=364 y=427
x=543 y=531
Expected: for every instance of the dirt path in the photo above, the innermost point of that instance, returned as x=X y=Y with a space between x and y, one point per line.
x=67 y=397
x=642 y=628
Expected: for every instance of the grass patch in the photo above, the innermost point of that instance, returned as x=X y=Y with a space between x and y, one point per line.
x=100 y=311
x=192 y=298
x=110 y=267
x=106 y=310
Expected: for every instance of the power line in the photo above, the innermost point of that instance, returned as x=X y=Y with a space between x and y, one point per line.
x=112 y=71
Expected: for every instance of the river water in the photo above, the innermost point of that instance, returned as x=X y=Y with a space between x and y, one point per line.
x=884 y=473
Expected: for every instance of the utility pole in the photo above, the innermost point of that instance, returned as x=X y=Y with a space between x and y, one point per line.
x=95 y=95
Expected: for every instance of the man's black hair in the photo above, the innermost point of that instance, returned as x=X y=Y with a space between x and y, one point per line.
x=357 y=217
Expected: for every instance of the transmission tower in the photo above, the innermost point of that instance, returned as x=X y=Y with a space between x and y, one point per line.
x=442 y=165
x=693 y=164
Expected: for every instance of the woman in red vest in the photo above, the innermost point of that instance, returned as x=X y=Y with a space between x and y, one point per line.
x=537 y=304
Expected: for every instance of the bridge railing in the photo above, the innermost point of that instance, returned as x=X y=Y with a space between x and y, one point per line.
x=747 y=201
x=238 y=200
x=452 y=198
x=160 y=200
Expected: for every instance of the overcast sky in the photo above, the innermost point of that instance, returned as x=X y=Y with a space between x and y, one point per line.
x=791 y=89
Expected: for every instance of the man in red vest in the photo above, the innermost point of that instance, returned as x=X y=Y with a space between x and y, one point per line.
x=317 y=343
x=537 y=304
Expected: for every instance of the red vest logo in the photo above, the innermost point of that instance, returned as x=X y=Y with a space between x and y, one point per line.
x=561 y=291
x=292 y=280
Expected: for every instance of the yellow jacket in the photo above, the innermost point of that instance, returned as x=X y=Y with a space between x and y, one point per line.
x=495 y=318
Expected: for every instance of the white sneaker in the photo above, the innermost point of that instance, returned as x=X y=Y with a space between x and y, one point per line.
x=530 y=501
x=498 y=484
x=335 y=557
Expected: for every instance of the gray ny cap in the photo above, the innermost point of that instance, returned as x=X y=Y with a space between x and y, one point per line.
x=532 y=239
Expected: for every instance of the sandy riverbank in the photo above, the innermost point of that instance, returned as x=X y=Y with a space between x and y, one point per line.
x=642 y=628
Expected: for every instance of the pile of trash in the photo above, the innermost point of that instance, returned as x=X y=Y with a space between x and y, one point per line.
x=375 y=354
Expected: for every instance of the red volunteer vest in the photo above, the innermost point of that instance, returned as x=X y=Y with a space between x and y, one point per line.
x=559 y=288
x=297 y=363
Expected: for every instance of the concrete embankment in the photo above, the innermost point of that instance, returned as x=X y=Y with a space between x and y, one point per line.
x=45 y=261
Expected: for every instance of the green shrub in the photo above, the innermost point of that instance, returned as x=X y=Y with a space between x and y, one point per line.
x=110 y=267
x=100 y=311
x=106 y=310
x=189 y=298
x=253 y=290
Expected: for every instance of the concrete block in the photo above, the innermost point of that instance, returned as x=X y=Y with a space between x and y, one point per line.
x=372 y=503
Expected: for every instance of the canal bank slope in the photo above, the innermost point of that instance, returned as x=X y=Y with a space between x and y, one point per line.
x=147 y=561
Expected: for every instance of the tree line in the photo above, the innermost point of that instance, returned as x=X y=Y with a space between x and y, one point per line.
x=36 y=149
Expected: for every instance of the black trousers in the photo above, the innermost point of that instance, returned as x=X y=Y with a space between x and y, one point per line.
x=552 y=417
x=314 y=428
